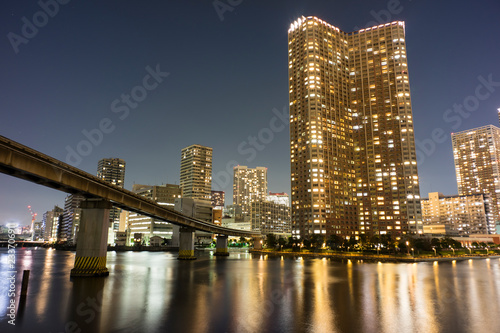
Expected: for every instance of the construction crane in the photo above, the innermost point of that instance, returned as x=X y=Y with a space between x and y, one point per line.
x=33 y=217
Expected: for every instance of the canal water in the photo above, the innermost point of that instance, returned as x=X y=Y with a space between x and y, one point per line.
x=155 y=292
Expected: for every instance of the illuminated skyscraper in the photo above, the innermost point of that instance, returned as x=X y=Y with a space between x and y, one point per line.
x=112 y=170
x=196 y=172
x=477 y=153
x=249 y=185
x=353 y=158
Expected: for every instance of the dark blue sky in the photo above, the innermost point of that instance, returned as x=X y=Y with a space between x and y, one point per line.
x=225 y=79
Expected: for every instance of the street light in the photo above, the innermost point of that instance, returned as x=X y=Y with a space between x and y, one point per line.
x=470 y=249
x=412 y=252
x=378 y=248
x=452 y=250
x=407 y=246
x=434 y=248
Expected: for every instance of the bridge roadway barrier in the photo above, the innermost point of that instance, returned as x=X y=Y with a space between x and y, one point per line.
x=91 y=249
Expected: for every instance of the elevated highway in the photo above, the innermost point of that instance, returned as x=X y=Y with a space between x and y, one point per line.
x=23 y=162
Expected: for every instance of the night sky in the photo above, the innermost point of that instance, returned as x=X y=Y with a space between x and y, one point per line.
x=218 y=79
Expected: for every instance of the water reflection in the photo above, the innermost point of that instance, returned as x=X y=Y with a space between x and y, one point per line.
x=153 y=292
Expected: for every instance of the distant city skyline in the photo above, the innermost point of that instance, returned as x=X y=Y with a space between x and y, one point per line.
x=146 y=81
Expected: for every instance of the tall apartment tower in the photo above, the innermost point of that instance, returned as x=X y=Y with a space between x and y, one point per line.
x=352 y=147
x=112 y=170
x=52 y=223
x=249 y=185
x=196 y=172
x=71 y=217
x=477 y=153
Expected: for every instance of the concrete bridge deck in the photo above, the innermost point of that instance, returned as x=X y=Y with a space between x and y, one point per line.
x=23 y=162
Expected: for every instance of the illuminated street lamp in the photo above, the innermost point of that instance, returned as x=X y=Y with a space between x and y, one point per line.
x=470 y=249
x=407 y=246
x=434 y=248
x=412 y=252
x=452 y=250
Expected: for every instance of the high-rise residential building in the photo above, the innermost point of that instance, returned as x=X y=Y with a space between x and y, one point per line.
x=279 y=198
x=460 y=214
x=196 y=172
x=218 y=199
x=112 y=170
x=249 y=185
x=352 y=148
x=71 y=218
x=51 y=224
x=164 y=195
x=477 y=154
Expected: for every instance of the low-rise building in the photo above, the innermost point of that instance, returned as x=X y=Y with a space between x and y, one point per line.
x=270 y=218
x=463 y=214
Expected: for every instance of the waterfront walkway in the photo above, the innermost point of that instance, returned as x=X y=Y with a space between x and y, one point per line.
x=376 y=257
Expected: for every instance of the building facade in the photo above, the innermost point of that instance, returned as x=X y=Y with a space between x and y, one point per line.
x=462 y=214
x=71 y=218
x=476 y=153
x=51 y=224
x=196 y=172
x=112 y=170
x=218 y=199
x=164 y=195
x=270 y=218
x=249 y=185
x=279 y=198
x=352 y=148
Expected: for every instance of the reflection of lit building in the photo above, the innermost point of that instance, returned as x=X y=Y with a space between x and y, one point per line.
x=461 y=214
x=164 y=195
x=112 y=170
x=477 y=157
x=196 y=172
x=353 y=157
x=249 y=185
x=218 y=199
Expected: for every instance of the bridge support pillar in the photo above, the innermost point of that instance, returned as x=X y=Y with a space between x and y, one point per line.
x=91 y=248
x=221 y=247
x=186 y=244
x=257 y=243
